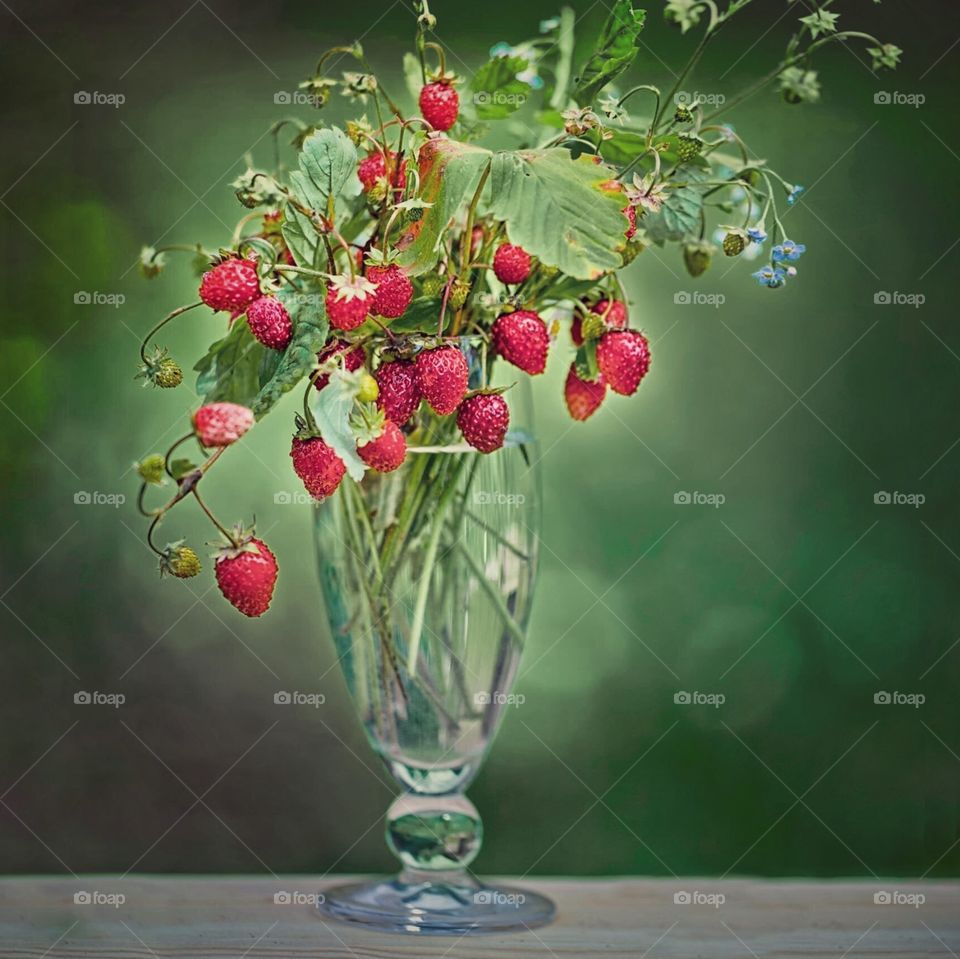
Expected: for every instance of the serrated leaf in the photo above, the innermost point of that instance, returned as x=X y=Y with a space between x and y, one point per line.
x=496 y=90
x=331 y=409
x=309 y=334
x=681 y=211
x=555 y=209
x=229 y=372
x=301 y=238
x=449 y=174
x=615 y=50
x=327 y=162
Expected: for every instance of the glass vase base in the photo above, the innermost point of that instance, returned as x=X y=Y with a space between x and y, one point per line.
x=432 y=908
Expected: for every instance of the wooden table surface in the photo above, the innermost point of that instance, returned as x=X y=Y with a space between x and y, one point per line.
x=196 y=917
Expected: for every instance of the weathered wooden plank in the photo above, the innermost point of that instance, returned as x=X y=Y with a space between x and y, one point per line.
x=196 y=917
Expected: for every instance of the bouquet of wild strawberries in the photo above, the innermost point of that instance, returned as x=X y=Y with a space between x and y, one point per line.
x=363 y=270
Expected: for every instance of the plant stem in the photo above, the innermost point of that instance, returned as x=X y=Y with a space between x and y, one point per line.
x=430 y=558
x=163 y=323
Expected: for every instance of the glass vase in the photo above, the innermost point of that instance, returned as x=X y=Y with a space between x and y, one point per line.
x=428 y=575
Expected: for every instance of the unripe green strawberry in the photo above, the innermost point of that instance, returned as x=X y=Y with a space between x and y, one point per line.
x=431 y=285
x=180 y=561
x=150 y=469
x=689 y=146
x=168 y=374
x=682 y=114
x=369 y=391
x=733 y=243
x=697 y=257
x=459 y=293
x=592 y=327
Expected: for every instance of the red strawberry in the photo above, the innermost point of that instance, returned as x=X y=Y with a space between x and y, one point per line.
x=394 y=290
x=231 y=285
x=270 y=322
x=317 y=465
x=583 y=397
x=483 y=419
x=511 y=263
x=387 y=452
x=373 y=168
x=247 y=576
x=522 y=339
x=443 y=375
x=399 y=390
x=220 y=424
x=349 y=301
x=439 y=104
x=615 y=316
x=623 y=357
x=353 y=359
x=630 y=212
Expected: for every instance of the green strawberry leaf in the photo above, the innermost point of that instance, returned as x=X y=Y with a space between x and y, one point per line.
x=496 y=90
x=681 y=210
x=181 y=468
x=331 y=409
x=328 y=162
x=230 y=371
x=616 y=49
x=310 y=328
x=555 y=209
x=449 y=174
x=302 y=239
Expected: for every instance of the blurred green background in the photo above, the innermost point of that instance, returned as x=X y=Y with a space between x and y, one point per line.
x=798 y=599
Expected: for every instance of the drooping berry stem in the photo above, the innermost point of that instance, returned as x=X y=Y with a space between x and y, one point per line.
x=162 y=324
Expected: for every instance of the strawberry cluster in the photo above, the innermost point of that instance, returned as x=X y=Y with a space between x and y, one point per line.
x=401 y=305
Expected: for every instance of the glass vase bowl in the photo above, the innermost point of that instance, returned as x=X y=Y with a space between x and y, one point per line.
x=428 y=575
